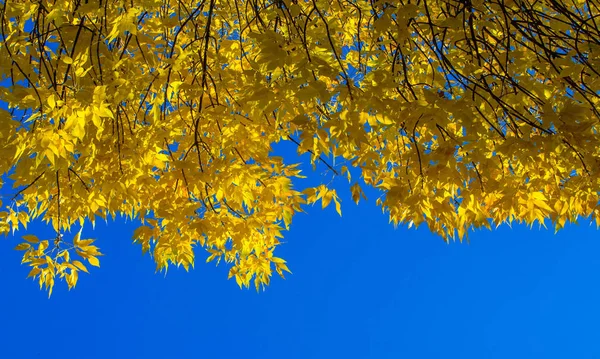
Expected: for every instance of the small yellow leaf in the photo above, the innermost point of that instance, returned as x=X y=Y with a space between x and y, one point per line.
x=326 y=199
x=287 y=216
x=52 y=101
x=34 y=272
x=94 y=261
x=42 y=246
x=338 y=206
x=31 y=238
x=23 y=247
x=81 y=266
x=357 y=192
x=284 y=267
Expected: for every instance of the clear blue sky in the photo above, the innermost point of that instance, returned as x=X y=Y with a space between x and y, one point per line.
x=360 y=289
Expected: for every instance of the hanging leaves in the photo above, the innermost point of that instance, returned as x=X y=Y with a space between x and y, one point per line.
x=463 y=114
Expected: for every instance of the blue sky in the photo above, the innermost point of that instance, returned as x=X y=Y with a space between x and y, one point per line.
x=359 y=289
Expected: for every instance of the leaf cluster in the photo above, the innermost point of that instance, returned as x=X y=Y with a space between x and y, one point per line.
x=461 y=113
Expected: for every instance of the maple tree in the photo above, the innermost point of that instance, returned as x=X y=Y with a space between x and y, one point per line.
x=463 y=113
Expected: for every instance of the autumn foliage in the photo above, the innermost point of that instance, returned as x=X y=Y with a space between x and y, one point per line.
x=462 y=113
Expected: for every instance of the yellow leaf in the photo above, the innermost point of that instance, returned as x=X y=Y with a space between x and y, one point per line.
x=284 y=267
x=82 y=267
x=540 y=200
x=338 y=206
x=326 y=199
x=31 y=238
x=94 y=261
x=52 y=101
x=287 y=216
x=34 y=272
x=356 y=192
x=72 y=279
x=42 y=246
x=22 y=247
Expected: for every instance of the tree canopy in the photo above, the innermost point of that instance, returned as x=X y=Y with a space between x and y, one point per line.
x=462 y=113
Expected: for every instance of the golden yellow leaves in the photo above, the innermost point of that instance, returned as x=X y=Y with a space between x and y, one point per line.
x=173 y=249
x=288 y=212
x=257 y=267
x=280 y=266
x=127 y=21
x=76 y=124
x=326 y=195
x=158 y=113
x=143 y=235
x=11 y=220
x=534 y=207
x=54 y=146
x=7 y=126
x=49 y=259
x=357 y=192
